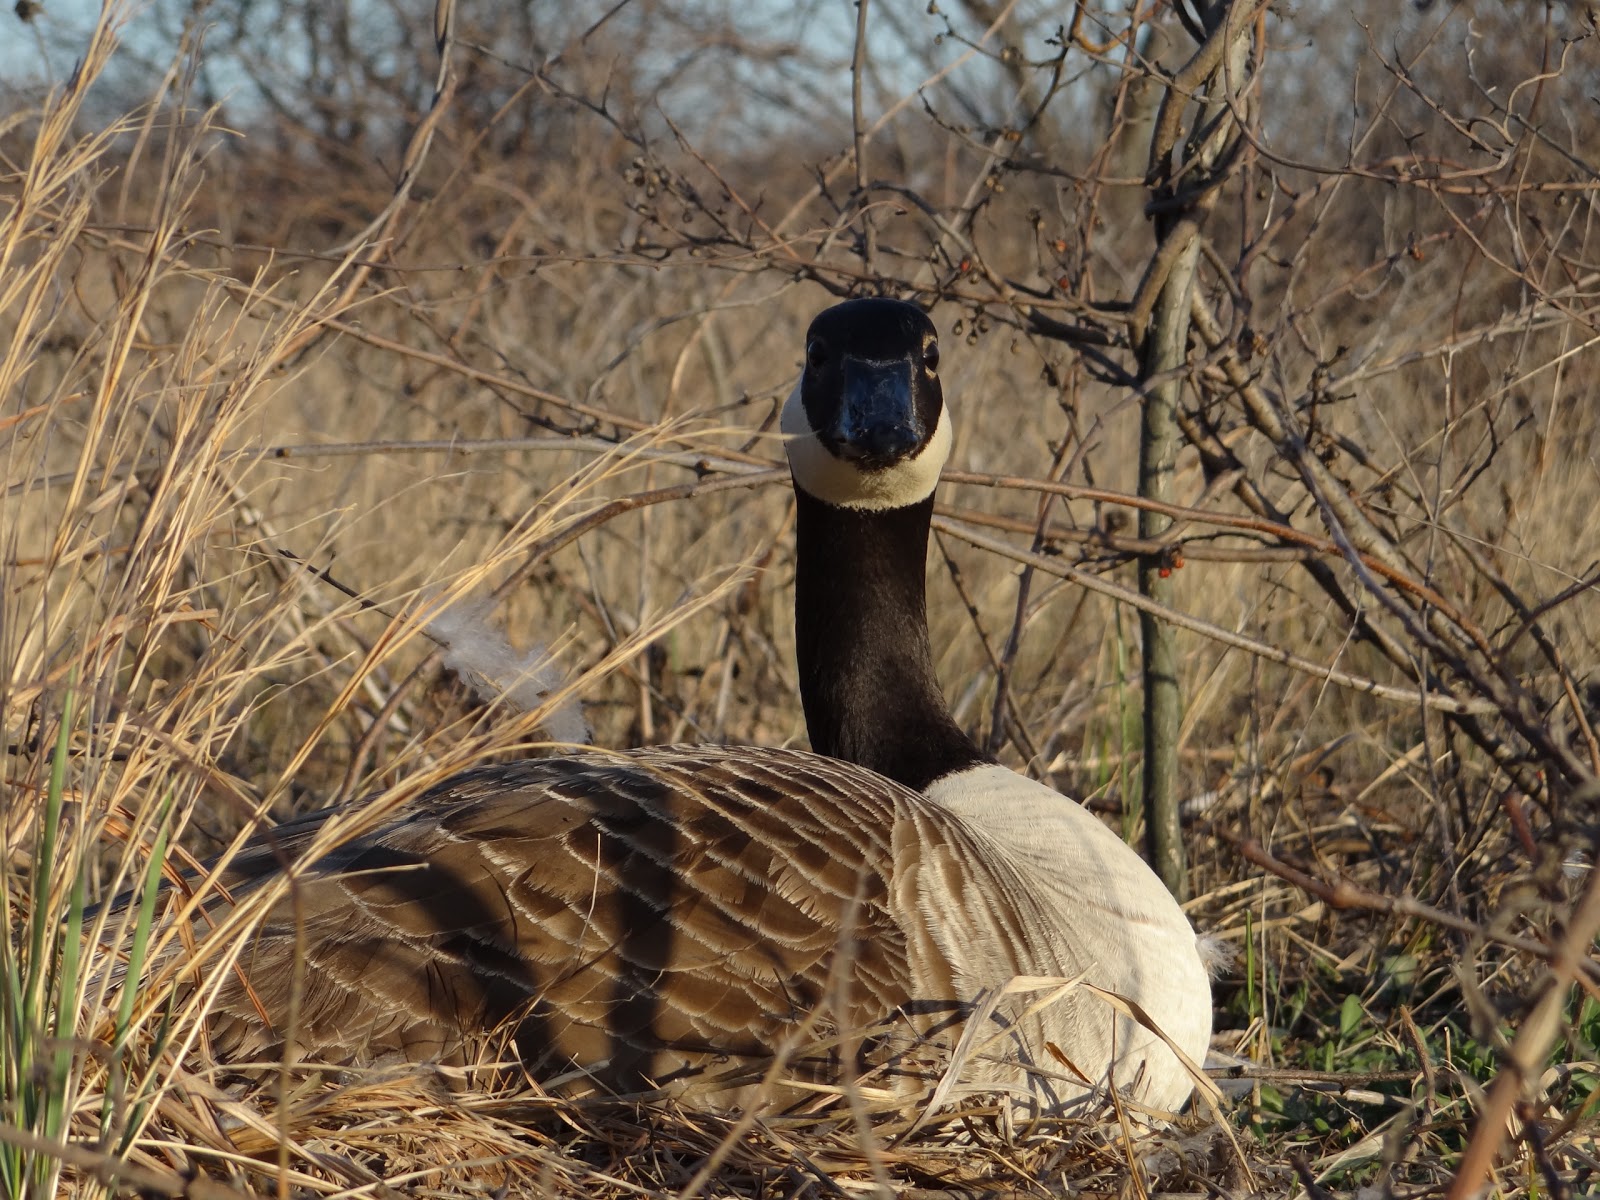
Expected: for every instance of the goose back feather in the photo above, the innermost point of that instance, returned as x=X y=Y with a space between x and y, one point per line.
x=631 y=920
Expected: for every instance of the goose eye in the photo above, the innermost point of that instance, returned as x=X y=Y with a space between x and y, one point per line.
x=816 y=354
x=930 y=357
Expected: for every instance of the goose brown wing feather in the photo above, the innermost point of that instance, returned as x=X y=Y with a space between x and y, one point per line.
x=637 y=915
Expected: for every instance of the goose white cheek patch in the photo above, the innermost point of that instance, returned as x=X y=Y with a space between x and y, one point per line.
x=836 y=482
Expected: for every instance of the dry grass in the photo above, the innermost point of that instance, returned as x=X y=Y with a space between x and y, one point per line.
x=217 y=409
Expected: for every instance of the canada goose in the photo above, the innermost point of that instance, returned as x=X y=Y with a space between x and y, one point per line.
x=632 y=919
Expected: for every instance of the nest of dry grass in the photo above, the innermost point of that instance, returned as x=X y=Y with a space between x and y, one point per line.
x=404 y=1134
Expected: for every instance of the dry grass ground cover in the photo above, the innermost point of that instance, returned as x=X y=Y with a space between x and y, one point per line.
x=502 y=333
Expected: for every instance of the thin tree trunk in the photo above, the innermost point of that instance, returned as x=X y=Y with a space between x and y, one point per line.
x=1184 y=184
x=1165 y=350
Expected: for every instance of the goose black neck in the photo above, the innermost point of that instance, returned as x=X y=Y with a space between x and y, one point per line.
x=861 y=635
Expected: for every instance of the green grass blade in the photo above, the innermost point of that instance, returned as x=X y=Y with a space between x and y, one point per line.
x=35 y=972
x=149 y=889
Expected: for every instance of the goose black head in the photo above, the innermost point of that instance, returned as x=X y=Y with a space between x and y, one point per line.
x=866 y=425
